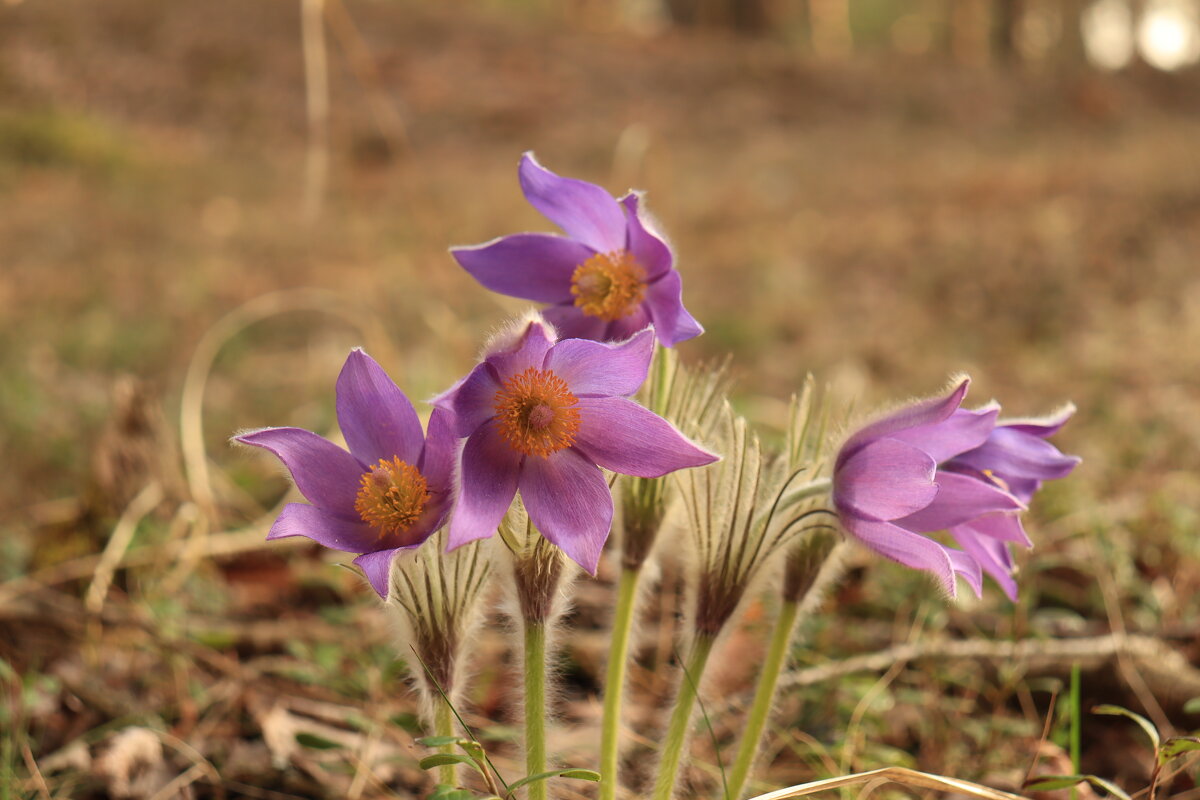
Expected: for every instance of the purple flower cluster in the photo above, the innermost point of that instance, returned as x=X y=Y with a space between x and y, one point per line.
x=935 y=466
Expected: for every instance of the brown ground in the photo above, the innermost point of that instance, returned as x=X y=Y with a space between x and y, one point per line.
x=882 y=223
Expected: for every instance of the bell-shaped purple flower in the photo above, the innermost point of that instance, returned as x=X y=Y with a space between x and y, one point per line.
x=935 y=466
x=543 y=416
x=1016 y=456
x=390 y=493
x=608 y=278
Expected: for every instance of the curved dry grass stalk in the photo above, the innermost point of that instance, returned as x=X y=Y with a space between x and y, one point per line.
x=900 y=775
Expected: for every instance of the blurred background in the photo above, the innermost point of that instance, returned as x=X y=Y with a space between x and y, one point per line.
x=205 y=205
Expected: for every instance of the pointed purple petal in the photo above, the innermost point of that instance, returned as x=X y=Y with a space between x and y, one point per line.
x=437 y=460
x=967 y=567
x=535 y=266
x=593 y=368
x=489 y=482
x=620 y=435
x=471 y=401
x=376 y=418
x=960 y=498
x=664 y=302
x=961 y=431
x=1003 y=527
x=324 y=473
x=621 y=329
x=528 y=351
x=377 y=567
x=569 y=501
x=583 y=210
x=571 y=323
x=924 y=412
x=993 y=556
x=905 y=547
x=1011 y=453
x=886 y=479
x=334 y=532
x=648 y=248
x=1042 y=426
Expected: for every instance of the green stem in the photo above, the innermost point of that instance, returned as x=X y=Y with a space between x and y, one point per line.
x=614 y=682
x=760 y=710
x=681 y=717
x=443 y=725
x=535 y=705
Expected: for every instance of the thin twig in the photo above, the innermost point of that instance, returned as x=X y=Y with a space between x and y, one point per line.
x=118 y=543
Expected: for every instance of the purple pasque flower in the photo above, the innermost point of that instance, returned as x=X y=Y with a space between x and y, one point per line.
x=889 y=490
x=1017 y=457
x=390 y=493
x=607 y=279
x=543 y=416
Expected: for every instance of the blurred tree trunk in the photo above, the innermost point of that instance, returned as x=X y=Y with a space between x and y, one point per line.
x=1006 y=23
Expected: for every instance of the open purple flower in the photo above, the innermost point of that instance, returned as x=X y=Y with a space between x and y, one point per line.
x=608 y=278
x=934 y=466
x=543 y=417
x=390 y=493
x=1017 y=456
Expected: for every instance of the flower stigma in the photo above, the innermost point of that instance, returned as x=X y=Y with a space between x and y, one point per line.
x=609 y=285
x=391 y=496
x=536 y=412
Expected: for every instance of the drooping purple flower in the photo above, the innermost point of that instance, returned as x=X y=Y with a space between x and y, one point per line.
x=608 y=278
x=543 y=417
x=1017 y=456
x=390 y=493
x=935 y=466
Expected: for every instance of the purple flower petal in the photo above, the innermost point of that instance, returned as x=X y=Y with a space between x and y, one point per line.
x=489 y=482
x=571 y=323
x=1011 y=453
x=993 y=556
x=529 y=351
x=620 y=435
x=437 y=460
x=924 y=412
x=1003 y=527
x=535 y=266
x=330 y=530
x=471 y=401
x=664 y=302
x=966 y=566
x=961 y=431
x=648 y=248
x=886 y=479
x=324 y=473
x=1042 y=427
x=583 y=210
x=908 y=548
x=377 y=567
x=960 y=499
x=569 y=501
x=593 y=368
x=621 y=329
x=376 y=418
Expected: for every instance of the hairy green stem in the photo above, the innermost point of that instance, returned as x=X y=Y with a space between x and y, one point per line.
x=535 y=705
x=764 y=694
x=443 y=725
x=614 y=682
x=681 y=717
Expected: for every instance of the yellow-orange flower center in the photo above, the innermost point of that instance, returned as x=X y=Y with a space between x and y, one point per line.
x=392 y=496
x=609 y=285
x=536 y=412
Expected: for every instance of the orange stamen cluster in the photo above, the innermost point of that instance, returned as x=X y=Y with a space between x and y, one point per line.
x=536 y=412
x=391 y=497
x=609 y=285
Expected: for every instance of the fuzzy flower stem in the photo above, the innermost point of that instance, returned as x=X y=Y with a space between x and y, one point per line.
x=812 y=489
x=535 y=705
x=614 y=681
x=443 y=725
x=760 y=710
x=681 y=716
